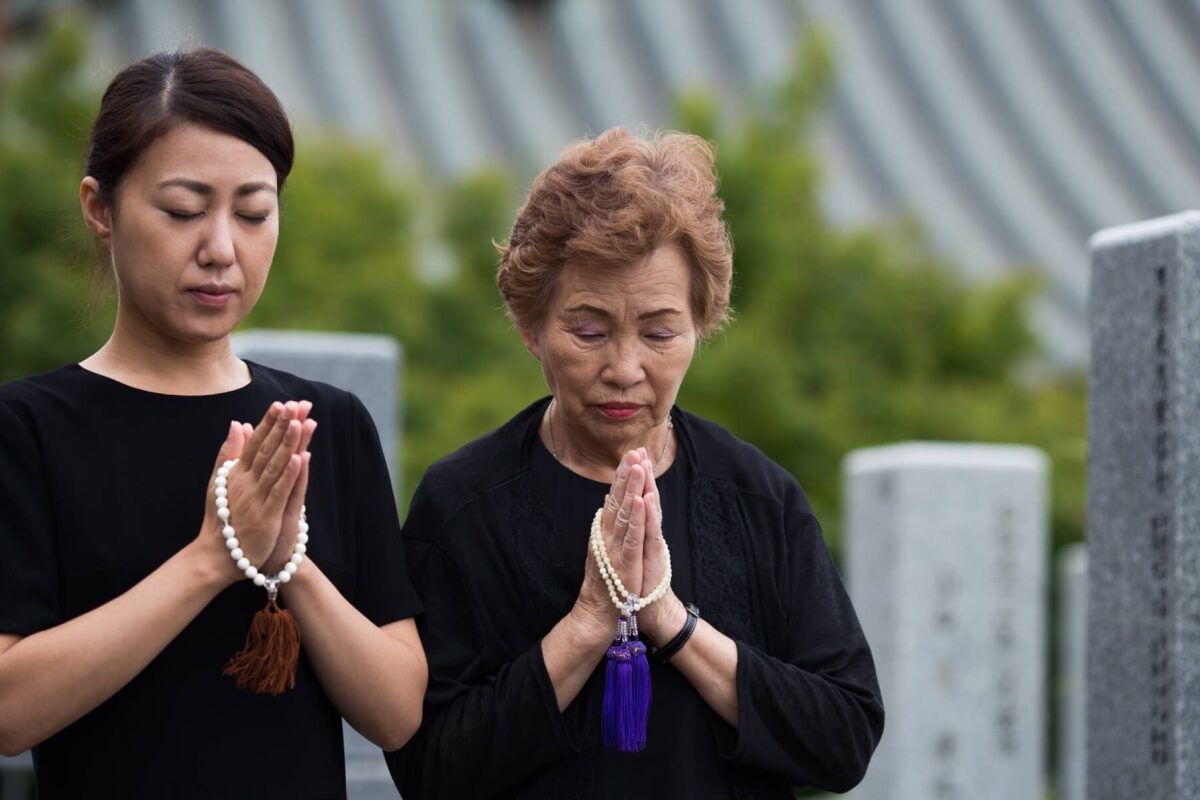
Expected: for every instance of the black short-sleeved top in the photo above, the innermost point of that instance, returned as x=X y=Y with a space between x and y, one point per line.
x=100 y=483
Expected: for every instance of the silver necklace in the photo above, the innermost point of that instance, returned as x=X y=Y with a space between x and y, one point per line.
x=554 y=448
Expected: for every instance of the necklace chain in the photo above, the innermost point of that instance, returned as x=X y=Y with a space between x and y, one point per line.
x=554 y=447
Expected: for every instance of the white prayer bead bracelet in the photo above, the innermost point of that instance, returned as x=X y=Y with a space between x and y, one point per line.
x=632 y=603
x=235 y=551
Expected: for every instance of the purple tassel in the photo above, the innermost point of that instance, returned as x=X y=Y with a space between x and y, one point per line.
x=640 y=668
x=626 y=691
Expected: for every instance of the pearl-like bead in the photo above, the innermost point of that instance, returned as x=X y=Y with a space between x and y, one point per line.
x=289 y=568
x=296 y=559
x=222 y=481
x=260 y=579
x=223 y=513
x=250 y=572
x=236 y=554
x=303 y=526
x=221 y=491
x=284 y=576
x=222 y=502
x=242 y=563
x=228 y=532
x=301 y=548
x=232 y=543
x=302 y=538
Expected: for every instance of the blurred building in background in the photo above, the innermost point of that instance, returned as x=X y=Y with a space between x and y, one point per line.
x=1011 y=130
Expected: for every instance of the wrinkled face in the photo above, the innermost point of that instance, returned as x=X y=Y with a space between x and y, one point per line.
x=192 y=231
x=615 y=345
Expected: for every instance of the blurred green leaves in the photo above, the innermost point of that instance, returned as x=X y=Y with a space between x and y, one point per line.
x=843 y=338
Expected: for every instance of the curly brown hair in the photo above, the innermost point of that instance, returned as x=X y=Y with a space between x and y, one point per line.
x=614 y=199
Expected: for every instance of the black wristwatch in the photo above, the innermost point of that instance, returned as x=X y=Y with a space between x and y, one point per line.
x=664 y=654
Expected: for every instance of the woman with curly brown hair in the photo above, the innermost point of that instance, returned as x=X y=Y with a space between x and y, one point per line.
x=698 y=641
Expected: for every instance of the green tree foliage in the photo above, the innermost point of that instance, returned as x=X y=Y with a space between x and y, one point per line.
x=843 y=338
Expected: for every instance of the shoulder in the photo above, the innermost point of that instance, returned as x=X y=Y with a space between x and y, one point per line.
x=719 y=454
x=478 y=467
x=26 y=397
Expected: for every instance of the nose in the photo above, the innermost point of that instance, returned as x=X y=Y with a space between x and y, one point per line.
x=216 y=248
x=623 y=367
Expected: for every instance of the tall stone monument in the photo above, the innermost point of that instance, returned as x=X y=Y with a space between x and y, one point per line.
x=1072 y=673
x=1144 y=512
x=947 y=569
x=369 y=366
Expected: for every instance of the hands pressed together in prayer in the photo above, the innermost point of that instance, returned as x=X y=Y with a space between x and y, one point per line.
x=266 y=487
x=632 y=525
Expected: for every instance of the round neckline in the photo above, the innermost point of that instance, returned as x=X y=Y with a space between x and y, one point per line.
x=251 y=367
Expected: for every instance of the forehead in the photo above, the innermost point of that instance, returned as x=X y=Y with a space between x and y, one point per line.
x=202 y=154
x=660 y=279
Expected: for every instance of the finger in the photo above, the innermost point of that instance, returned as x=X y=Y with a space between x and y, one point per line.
x=305 y=408
x=654 y=517
x=651 y=485
x=616 y=495
x=278 y=496
x=250 y=451
x=631 y=546
x=307 y=428
x=228 y=448
x=291 y=511
x=274 y=469
x=271 y=442
x=624 y=516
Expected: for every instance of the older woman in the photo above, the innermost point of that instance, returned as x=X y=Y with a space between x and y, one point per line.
x=618 y=265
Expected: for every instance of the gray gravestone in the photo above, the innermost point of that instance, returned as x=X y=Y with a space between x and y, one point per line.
x=369 y=366
x=365 y=364
x=946 y=549
x=1144 y=512
x=1072 y=673
x=16 y=777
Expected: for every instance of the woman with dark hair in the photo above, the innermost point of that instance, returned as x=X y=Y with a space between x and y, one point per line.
x=146 y=526
x=555 y=554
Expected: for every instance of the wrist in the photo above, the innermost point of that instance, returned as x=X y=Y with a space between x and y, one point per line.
x=211 y=566
x=666 y=623
x=587 y=629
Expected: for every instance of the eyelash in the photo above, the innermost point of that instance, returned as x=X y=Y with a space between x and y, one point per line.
x=180 y=216
x=658 y=337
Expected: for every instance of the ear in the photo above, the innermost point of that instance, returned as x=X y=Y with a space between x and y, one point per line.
x=97 y=213
x=530 y=337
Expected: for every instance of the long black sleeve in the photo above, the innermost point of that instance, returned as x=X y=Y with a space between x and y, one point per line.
x=487 y=726
x=813 y=713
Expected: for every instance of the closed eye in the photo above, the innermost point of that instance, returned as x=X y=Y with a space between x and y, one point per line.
x=255 y=220
x=183 y=216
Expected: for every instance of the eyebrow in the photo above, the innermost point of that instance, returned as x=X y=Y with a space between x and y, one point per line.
x=204 y=189
x=600 y=312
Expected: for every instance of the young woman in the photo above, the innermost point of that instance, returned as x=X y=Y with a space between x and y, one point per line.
x=132 y=564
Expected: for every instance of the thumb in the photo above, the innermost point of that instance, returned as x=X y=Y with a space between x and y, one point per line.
x=231 y=448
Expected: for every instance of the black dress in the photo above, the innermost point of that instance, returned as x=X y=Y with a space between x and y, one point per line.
x=497 y=540
x=100 y=483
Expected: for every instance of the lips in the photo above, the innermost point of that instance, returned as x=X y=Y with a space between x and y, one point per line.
x=212 y=295
x=619 y=410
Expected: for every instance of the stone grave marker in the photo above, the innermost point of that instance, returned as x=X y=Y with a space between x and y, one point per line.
x=1143 y=681
x=946 y=547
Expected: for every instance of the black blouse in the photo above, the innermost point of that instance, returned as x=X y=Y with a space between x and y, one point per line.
x=100 y=483
x=496 y=541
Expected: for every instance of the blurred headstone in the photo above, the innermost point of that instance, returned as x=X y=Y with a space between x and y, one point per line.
x=947 y=570
x=1072 y=673
x=16 y=777
x=369 y=366
x=366 y=364
x=1143 y=512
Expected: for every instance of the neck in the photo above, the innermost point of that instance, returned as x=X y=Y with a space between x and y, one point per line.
x=585 y=456
x=139 y=358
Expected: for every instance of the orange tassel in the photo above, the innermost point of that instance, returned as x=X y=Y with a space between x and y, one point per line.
x=267 y=664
